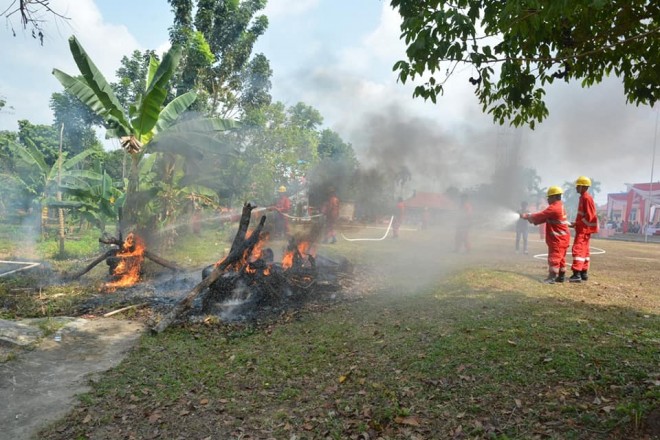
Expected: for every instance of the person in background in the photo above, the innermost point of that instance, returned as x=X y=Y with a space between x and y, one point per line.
x=331 y=211
x=196 y=219
x=522 y=228
x=585 y=224
x=399 y=214
x=557 y=236
x=462 y=239
x=426 y=218
x=283 y=206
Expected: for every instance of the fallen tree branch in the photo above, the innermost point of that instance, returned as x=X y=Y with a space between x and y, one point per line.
x=156 y=259
x=107 y=254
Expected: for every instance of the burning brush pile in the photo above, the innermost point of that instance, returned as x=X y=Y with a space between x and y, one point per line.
x=248 y=279
x=246 y=284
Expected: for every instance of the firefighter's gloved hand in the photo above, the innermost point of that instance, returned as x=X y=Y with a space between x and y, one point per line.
x=524 y=216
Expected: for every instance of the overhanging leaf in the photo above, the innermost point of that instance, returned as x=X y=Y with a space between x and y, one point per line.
x=150 y=107
x=97 y=82
x=173 y=110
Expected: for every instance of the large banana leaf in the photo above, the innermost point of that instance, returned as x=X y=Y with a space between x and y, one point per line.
x=153 y=67
x=30 y=154
x=204 y=125
x=97 y=82
x=87 y=96
x=67 y=164
x=156 y=92
x=173 y=110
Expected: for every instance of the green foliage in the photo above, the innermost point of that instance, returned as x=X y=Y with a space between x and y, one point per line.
x=217 y=62
x=40 y=179
x=519 y=47
x=46 y=139
x=277 y=146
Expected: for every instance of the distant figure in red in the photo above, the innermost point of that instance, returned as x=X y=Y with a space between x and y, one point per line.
x=585 y=224
x=331 y=211
x=399 y=214
x=557 y=235
x=463 y=225
x=283 y=206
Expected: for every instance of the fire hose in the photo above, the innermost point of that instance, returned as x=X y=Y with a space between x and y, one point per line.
x=26 y=265
x=371 y=239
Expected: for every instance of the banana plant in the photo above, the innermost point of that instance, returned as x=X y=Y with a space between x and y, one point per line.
x=149 y=124
x=41 y=180
x=96 y=202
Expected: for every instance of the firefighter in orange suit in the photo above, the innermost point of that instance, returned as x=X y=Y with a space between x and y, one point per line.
x=283 y=206
x=585 y=224
x=557 y=235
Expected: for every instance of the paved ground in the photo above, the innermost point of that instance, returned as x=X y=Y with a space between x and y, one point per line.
x=38 y=386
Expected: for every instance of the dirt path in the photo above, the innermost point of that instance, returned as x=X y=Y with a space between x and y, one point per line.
x=39 y=386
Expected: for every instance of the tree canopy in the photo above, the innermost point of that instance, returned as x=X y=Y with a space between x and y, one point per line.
x=518 y=47
x=218 y=37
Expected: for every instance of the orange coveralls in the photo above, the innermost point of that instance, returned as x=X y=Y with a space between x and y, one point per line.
x=557 y=235
x=586 y=223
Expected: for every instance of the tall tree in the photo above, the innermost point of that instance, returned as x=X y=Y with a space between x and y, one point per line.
x=517 y=47
x=218 y=64
x=44 y=137
x=278 y=146
x=78 y=121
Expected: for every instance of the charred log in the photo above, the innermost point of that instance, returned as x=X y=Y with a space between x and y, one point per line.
x=108 y=254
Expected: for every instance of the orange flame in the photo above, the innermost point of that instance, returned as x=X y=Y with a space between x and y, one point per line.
x=303 y=248
x=131 y=257
x=254 y=255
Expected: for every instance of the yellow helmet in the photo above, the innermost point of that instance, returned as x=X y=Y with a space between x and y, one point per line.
x=281 y=189
x=554 y=190
x=583 y=181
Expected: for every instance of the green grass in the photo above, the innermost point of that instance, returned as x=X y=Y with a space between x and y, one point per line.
x=491 y=363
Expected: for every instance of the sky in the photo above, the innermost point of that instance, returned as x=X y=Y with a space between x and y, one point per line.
x=337 y=56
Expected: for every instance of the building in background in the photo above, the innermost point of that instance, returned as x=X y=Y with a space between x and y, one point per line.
x=635 y=209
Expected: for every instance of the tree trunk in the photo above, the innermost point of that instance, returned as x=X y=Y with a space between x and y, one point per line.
x=129 y=214
x=60 y=211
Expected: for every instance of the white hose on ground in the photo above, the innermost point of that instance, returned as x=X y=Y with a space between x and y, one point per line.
x=592 y=251
x=371 y=239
